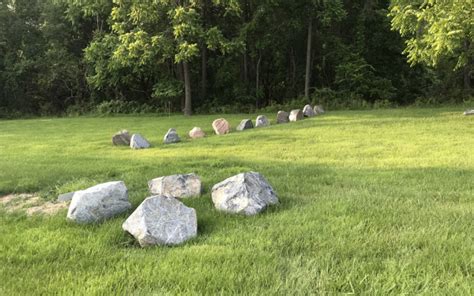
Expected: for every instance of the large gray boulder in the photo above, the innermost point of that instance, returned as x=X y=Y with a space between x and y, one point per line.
x=245 y=124
x=139 y=142
x=161 y=220
x=296 y=115
x=178 y=186
x=282 y=117
x=308 y=111
x=469 y=112
x=121 y=138
x=246 y=193
x=171 y=137
x=262 y=121
x=318 y=109
x=99 y=202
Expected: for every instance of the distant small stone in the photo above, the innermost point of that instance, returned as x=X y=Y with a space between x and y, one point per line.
x=262 y=121
x=122 y=138
x=65 y=197
x=178 y=186
x=196 y=133
x=221 y=126
x=161 y=220
x=318 y=110
x=308 y=111
x=469 y=112
x=283 y=117
x=296 y=115
x=171 y=137
x=245 y=124
x=247 y=193
x=99 y=202
x=139 y=142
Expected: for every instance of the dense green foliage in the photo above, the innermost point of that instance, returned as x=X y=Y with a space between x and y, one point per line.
x=372 y=202
x=59 y=56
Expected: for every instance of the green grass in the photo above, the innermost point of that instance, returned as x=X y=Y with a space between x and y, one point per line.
x=375 y=202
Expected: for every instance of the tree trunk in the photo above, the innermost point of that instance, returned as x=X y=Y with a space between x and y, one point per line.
x=204 y=73
x=308 y=59
x=467 y=71
x=187 y=90
x=257 y=80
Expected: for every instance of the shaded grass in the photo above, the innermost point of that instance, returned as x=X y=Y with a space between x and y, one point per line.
x=372 y=202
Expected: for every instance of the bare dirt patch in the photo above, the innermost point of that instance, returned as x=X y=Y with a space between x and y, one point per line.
x=31 y=204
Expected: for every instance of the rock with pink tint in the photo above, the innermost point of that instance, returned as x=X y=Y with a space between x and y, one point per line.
x=196 y=133
x=221 y=126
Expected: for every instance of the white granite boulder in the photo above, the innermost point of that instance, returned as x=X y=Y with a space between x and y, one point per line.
x=308 y=111
x=99 y=202
x=178 y=186
x=171 y=137
x=196 y=133
x=245 y=124
x=246 y=193
x=262 y=121
x=139 y=142
x=161 y=220
x=121 y=138
x=221 y=126
x=282 y=117
x=296 y=115
x=318 y=110
x=469 y=112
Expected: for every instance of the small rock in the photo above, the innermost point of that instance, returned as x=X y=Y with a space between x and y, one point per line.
x=65 y=197
x=262 y=121
x=283 y=117
x=296 y=115
x=178 y=186
x=99 y=202
x=196 y=133
x=221 y=126
x=469 y=112
x=245 y=124
x=308 y=111
x=247 y=193
x=171 y=137
x=122 y=138
x=318 y=109
x=139 y=142
x=161 y=220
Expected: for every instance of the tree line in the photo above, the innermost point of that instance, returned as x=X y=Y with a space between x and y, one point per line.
x=60 y=56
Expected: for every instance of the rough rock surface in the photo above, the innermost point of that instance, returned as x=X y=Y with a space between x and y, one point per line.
x=65 y=196
x=318 y=109
x=161 y=220
x=99 y=202
x=122 y=138
x=196 y=133
x=246 y=193
x=245 y=124
x=308 y=111
x=171 y=137
x=139 y=142
x=283 y=117
x=262 y=121
x=178 y=186
x=221 y=126
x=469 y=112
x=296 y=115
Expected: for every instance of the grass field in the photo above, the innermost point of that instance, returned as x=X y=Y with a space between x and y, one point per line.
x=373 y=202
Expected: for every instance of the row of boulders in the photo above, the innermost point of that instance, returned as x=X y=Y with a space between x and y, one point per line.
x=162 y=219
x=220 y=127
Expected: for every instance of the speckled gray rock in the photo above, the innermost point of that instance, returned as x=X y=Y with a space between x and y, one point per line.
x=469 y=112
x=99 y=202
x=122 y=138
x=282 y=117
x=318 y=109
x=246 y=193
x=245 y=124
x=308 y=111
x=139 y=142
x=161 y=220
x=262 y=121
x=171 y=137
x=178 y=186
x=296 y=115
x=65 y=197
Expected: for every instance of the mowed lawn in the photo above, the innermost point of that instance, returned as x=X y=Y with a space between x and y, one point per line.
x=372 y=202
